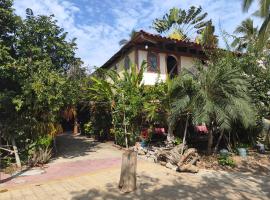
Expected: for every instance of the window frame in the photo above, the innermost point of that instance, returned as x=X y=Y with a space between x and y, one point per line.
x=150 y=68
x=125 y=62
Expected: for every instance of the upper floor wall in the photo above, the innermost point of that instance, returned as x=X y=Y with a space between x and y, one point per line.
x=160 y=64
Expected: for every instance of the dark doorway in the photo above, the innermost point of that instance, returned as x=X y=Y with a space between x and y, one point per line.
x=172 y=67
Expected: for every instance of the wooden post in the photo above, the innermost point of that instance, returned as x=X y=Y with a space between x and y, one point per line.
x=127 y=181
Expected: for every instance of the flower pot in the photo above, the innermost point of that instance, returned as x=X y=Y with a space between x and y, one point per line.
x=242 y=152
x=143 y=143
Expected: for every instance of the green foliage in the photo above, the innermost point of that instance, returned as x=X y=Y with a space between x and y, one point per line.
x=42 y=142
x=40 y=157
x=40 y=150
x=226 y=161
x=207 y=37
x=123 y=96
x=38 y=67
x=248 y=35
x=88 y=128
x=177 y=141
x=182 y=21
x=262 y=12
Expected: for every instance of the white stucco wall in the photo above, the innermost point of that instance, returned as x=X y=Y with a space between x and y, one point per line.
x=142 y=56
x=152 y=78
x=187 y=62
x=120 y=64
x=162 y=63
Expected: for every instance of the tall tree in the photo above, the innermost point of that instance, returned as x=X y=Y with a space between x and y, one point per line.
x=35 y=59
x=207 y=37
x=264 y=13
x=125 y=97
x=248 y=35
x=186 y=22
x=216 y=95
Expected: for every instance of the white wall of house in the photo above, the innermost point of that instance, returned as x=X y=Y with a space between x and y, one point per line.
x=150 y=78
x=187 y=62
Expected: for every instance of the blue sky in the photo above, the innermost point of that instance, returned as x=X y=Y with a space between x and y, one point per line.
x=99 y=25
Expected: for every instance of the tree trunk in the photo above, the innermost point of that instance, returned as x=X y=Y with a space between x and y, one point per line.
x=75 y=128
x=125 y=129
x=127 y=181
x=210 y=142
x=219 y=139
x=170 y=136
x=17 y=158
x=228 y=142
x=185 y=133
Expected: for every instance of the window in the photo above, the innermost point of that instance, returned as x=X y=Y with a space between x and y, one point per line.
x=127 y=62
x=153 y=62
x=115 y=67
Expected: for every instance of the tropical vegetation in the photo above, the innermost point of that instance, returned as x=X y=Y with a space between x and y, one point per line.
x=43 y=82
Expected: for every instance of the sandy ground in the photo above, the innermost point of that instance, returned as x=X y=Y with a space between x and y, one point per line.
x=94 y=174
x=70 y=148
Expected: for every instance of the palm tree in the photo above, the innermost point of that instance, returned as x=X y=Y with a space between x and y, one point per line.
x=263 y=12
x=216 y=95
x=131 y=36
x=222 y=97
x=187 y=23
x=248 y=32
x=208 y=37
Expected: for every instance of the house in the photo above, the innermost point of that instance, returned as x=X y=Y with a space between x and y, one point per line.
x=165 y=56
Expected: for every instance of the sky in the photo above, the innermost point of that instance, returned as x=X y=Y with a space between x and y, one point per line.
x=99 y=25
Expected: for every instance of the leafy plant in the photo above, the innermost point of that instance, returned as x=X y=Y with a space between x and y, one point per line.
x=177 y=141
x=88 y=128
x=40 y=156
x=226 y=161
x=182 y=23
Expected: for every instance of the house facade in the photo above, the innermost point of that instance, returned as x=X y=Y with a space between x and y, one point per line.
x=165 y=56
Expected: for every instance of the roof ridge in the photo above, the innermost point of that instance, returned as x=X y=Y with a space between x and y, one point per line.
x=167 y=38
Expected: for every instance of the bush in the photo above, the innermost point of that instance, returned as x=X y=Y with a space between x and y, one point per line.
x=40 y=157
x=40 y=151
x=226 y=161
x=177 y=141
x=88 y=128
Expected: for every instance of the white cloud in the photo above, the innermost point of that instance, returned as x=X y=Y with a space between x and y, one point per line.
x=99 y=26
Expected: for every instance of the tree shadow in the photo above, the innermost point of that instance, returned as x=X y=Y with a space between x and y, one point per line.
x=211 y=185
x=69 y=146
x=13 y=176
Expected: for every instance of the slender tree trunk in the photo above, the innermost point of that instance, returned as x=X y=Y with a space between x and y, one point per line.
x=125 y=129
x=127 y=181
x=228 y=142
x=210 y=142
x=15 y=149
x=218 y=142
x=185 y=133
x=170 y=136
x=75 y=128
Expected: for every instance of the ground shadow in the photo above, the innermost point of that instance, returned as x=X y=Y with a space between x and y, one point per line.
x=13 y=176
x=69 y=146
x=211 y=186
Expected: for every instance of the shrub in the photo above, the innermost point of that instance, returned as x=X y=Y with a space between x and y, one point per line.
x=88 y=128
x=40 y=157
x=40 y=151
x=226 y=161
x=177 y=141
